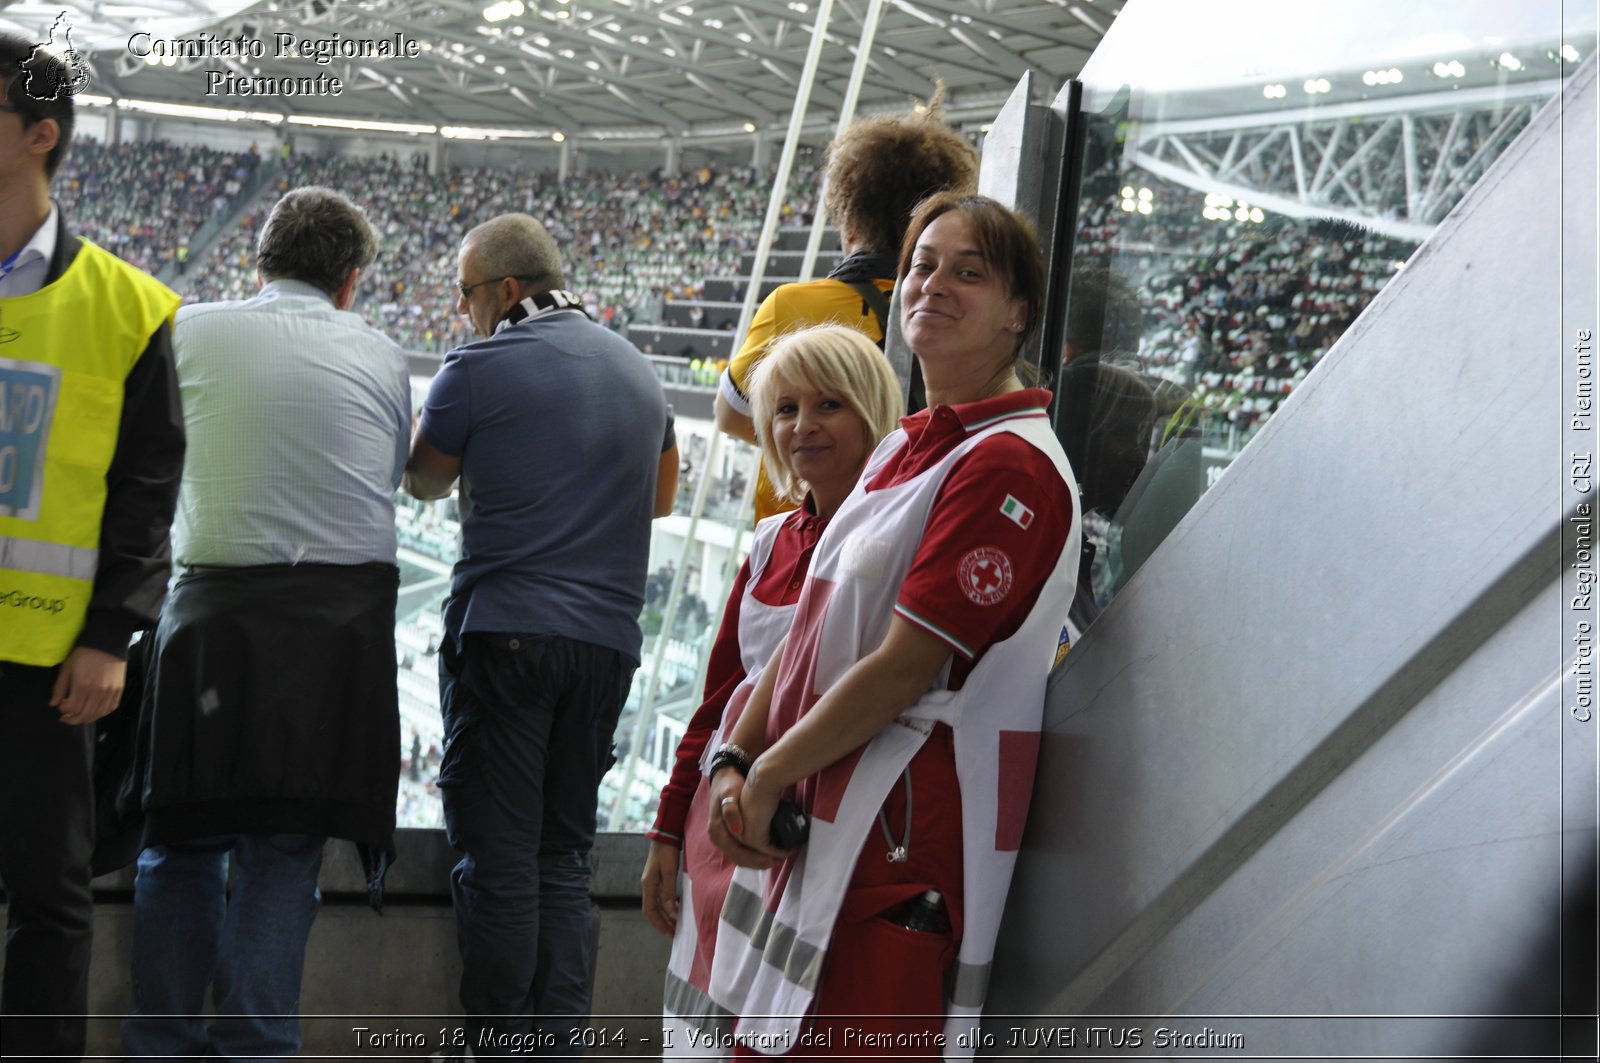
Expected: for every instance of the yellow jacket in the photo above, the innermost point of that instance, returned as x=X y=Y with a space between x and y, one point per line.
x=65 y=354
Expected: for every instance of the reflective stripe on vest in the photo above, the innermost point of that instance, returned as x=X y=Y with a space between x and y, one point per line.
x=65 y=354
x=48 y=559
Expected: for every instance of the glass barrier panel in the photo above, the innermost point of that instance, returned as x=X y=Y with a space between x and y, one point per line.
x=1252 y=174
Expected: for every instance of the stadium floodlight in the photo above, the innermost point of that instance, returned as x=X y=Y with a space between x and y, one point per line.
x=359 y=126
x=205 y=114
x=460 y=132
x=503 y=10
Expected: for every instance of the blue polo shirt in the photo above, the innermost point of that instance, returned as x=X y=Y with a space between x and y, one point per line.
x=559 y=424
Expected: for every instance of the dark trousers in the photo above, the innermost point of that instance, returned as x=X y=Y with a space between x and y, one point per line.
x=46 y=841
x=528 y=727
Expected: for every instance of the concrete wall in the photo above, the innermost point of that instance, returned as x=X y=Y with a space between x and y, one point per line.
x=399 y=971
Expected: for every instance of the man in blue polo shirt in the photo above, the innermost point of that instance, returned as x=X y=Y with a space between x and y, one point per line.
x=561 y=438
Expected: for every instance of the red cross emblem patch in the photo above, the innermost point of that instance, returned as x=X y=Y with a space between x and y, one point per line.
x=985 y=575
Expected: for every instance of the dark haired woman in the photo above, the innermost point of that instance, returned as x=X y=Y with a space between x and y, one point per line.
x=902 y=712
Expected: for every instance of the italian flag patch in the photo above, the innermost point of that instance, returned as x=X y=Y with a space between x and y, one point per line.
x=1016 y=512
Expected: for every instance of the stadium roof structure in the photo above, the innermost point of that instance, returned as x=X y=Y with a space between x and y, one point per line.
x=596 y=69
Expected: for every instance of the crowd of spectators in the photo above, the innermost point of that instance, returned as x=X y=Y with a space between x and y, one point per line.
x=1236 y=311
x=144 y=201
x=631 y=240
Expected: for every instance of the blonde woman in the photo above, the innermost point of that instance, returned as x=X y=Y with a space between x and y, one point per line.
x=822 y=398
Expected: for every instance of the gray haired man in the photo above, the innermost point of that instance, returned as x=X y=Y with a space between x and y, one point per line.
x=558 y=431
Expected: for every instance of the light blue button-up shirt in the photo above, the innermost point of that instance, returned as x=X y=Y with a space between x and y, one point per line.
x=27 y=271
x=298 y=418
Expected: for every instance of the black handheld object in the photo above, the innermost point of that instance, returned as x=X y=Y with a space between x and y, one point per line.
x=790 y=826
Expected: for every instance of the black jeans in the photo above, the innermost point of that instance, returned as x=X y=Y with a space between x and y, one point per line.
x=528 y=727
x=46 y=841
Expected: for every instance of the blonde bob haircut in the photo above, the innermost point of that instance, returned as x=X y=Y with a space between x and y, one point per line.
x=830 y=360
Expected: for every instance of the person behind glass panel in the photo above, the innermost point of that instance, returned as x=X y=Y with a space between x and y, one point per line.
x=822 y=398
x=902 y=711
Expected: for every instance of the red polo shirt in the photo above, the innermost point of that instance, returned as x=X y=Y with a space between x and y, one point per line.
x=994 y=533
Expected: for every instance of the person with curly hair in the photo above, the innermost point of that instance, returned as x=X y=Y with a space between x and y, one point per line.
x=877 y=171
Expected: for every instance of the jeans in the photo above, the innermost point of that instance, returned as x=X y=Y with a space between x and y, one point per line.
x=46 y=840
x=250 y=947
x=528 y=726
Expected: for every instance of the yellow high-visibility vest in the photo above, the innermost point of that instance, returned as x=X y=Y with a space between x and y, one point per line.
x=65 y=354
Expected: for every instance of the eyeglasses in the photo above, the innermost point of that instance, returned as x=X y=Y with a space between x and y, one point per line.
x=9 y=107
x=466 y=289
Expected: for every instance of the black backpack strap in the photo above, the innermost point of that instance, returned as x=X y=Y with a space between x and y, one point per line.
x=874 y=300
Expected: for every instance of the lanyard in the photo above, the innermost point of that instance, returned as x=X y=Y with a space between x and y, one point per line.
x=10 y=264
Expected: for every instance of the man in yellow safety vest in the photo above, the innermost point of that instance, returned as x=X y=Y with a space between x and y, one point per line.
x=91 y=454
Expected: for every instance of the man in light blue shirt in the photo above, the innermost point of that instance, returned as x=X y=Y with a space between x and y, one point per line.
x=300 y=412
x=273 y=715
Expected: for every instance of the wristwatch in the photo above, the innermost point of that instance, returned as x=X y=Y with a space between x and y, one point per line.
x=728 y=755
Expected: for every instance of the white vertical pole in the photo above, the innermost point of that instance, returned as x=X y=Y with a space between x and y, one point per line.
x=780 y=182
x=847 y=114
x=641 y=726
